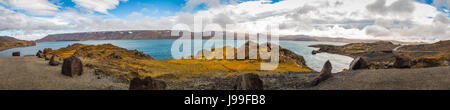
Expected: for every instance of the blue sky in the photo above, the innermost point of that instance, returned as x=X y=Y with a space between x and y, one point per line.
x=152 y=8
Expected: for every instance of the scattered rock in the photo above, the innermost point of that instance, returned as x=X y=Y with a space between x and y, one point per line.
x=315 y=52
x=402 y=62
x=16 y=54
x=324 y=74
x=55 y=60
x=446 y=63
x=46 y=57
x=72 y=66
x=358 y=63
x=47 y=50
x=248 y=82
x=115 y=55
x=38 y=53
x=147 y=84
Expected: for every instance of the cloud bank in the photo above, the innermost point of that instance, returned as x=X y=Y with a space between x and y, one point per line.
x=404 y=20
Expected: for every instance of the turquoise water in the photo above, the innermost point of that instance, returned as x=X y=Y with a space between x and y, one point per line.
x=161 y=50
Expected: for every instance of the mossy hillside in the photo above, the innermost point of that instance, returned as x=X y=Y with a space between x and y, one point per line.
x=126 y=64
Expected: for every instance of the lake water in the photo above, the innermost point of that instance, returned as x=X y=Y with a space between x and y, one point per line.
x=161 y=50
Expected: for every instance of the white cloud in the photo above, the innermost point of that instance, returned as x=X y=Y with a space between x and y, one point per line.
x=393 y=20
x=101 y=6
x=135 y=16
x=34 y=7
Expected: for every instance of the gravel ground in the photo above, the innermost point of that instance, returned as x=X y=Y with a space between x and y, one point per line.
x=437 y=78
x=31 y=73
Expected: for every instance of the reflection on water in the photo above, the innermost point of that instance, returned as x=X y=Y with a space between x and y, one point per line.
x=160 y=49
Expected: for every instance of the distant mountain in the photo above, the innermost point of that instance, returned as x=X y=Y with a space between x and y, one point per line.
x=8 y=39
x=10 y=42
x=166 y=34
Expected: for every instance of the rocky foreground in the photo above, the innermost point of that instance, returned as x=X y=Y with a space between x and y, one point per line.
x=107 y=67
x=32 y=73
x=384 y=55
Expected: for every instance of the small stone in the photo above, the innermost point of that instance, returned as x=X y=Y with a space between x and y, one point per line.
x=16 y=54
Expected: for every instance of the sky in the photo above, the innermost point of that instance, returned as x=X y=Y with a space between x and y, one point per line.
x=403 y=20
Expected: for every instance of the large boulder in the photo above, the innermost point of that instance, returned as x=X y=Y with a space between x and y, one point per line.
x=16 y=54
x=402 y=62
x=72 y=66
x=40 y=54
x=54 y=61
x=248 y=82
x=147 y=84
x=358 y=63
x=324 y=74
x=37 y=54
x=46 y=52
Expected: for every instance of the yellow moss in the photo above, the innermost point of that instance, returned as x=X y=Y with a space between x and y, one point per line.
x=99 y=56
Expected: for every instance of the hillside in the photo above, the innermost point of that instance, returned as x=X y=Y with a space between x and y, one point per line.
x=10 y=42
x=166 y=34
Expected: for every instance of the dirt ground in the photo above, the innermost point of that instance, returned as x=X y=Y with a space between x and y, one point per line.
x=31 y=73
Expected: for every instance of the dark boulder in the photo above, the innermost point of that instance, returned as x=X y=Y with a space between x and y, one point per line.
x=248 y=82
x=147 y=84
x=16 y=54
x=315 y=52
x=402 y=62
x=324 y=74
x=38 y=53
x=55 y=60
x=358 y=63
x=72 y=66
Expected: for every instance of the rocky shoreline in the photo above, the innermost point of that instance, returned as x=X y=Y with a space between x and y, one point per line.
x=385 y=55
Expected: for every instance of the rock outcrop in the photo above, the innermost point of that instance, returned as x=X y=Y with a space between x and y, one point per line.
x=315 y=52
x=358 y=63
x=402 y=62
x=147 y=84
x=54 y=61
x=248 y=82
x=16 y=54
x=47 y=50
x=324 y=74
x=37 y=53
x=72 y=66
